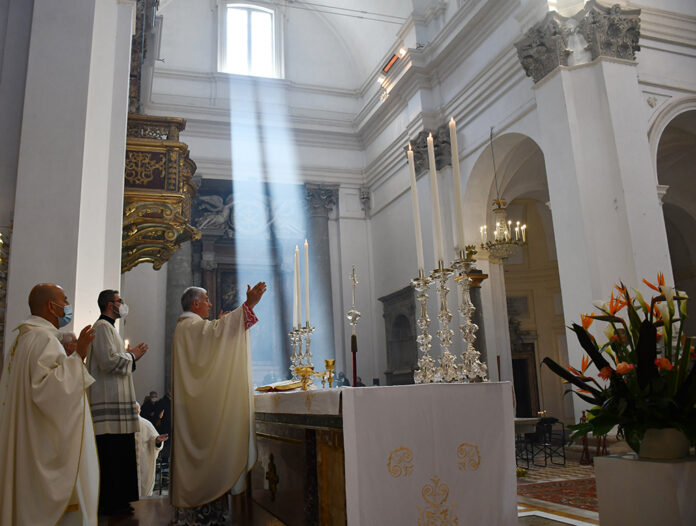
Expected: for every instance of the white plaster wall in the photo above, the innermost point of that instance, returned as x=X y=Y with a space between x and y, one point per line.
x=145 y=291
x=61 y=201
x=469 y=70
x=313 y=52
x=356 y=250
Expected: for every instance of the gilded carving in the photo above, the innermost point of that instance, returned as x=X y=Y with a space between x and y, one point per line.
x=4 y=265
x=469 y=456
x=143 y=167
x=436 y=511
x=158 y=192
x=400 y=462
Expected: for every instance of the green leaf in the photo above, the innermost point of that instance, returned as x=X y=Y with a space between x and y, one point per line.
x=646 y=352
x=571 y=378
x=590 y=347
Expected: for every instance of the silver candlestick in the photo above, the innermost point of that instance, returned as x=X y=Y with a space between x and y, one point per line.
x=306 y=332
x=471 y=367
x=353 y=316
x=447 y=371
x=296 y=343
x=426 y=365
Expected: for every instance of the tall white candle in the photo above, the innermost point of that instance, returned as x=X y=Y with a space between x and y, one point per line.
x=306 y=277
x=297 y=285
x=295 y=292
x=416 y=208
x=437 y=222
x=457 y=184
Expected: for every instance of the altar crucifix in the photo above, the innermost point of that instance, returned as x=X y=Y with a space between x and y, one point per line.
x=353 y=316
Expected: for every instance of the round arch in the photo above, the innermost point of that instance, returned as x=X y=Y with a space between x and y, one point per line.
x=661 y=120
x=520 y=173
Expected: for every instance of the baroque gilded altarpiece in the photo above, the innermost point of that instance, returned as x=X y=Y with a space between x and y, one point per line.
x=158 y=191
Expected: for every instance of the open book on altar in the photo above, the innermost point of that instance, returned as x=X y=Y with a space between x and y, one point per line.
x=284 y=385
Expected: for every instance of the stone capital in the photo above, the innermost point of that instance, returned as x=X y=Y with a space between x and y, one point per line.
x=321 y=199
x=441 y=145
x=596 y=30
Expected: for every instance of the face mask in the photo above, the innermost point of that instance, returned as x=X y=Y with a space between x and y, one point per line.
x=67 y=315
x=123 y=310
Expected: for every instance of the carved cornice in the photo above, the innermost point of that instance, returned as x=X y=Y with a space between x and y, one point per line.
x=594 y=31
x=321 y=199
x=441 y=145
x=152 y=127
x=158 y=191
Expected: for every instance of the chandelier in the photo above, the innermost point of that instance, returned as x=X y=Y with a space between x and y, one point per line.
x=507 y=239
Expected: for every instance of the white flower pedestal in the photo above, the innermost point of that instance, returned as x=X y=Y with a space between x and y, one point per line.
x=644 y=492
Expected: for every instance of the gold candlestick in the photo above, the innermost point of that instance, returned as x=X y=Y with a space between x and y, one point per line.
x=330 y=370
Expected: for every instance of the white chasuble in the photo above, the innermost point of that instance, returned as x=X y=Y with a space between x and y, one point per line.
x=49 y=472
x=213 y=439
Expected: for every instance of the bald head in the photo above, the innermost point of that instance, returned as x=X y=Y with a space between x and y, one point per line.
x=43 y=293
x=45 y=299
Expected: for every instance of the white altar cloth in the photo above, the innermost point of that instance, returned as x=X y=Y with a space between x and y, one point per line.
x=425 y=454
x=419 y=454
x=312 y=402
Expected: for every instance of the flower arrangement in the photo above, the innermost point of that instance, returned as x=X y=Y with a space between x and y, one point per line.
x=647 y=375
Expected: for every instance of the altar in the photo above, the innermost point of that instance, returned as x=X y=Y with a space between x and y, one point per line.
x=414 y=454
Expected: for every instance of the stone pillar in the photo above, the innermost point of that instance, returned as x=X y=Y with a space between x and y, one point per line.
x=321 y=199
x=70 y=166
x=606 y=214
x=179 y=278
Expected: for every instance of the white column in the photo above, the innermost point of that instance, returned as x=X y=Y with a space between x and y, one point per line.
x=67 y=221
x=355 y=249
x=145 y=291
x=606 y=215
x=497 y=332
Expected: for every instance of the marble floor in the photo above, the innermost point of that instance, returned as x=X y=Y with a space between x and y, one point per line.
x=155 y=511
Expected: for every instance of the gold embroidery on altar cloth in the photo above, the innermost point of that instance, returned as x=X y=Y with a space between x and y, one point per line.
x=436 y=512
x=469 y=454
x=308 y=401
x=400 y=462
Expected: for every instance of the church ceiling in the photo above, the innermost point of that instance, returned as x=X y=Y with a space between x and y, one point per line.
x=365 y=31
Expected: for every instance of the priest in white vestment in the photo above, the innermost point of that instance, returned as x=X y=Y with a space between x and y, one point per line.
x=148 y=444
x=49 y=472
x=213 y=440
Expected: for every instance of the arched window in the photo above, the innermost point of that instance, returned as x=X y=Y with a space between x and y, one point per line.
x=249 y=40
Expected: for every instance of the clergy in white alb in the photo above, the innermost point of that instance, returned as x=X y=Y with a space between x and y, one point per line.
x=213 y=442
x=49 y=473
x=148 y=444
